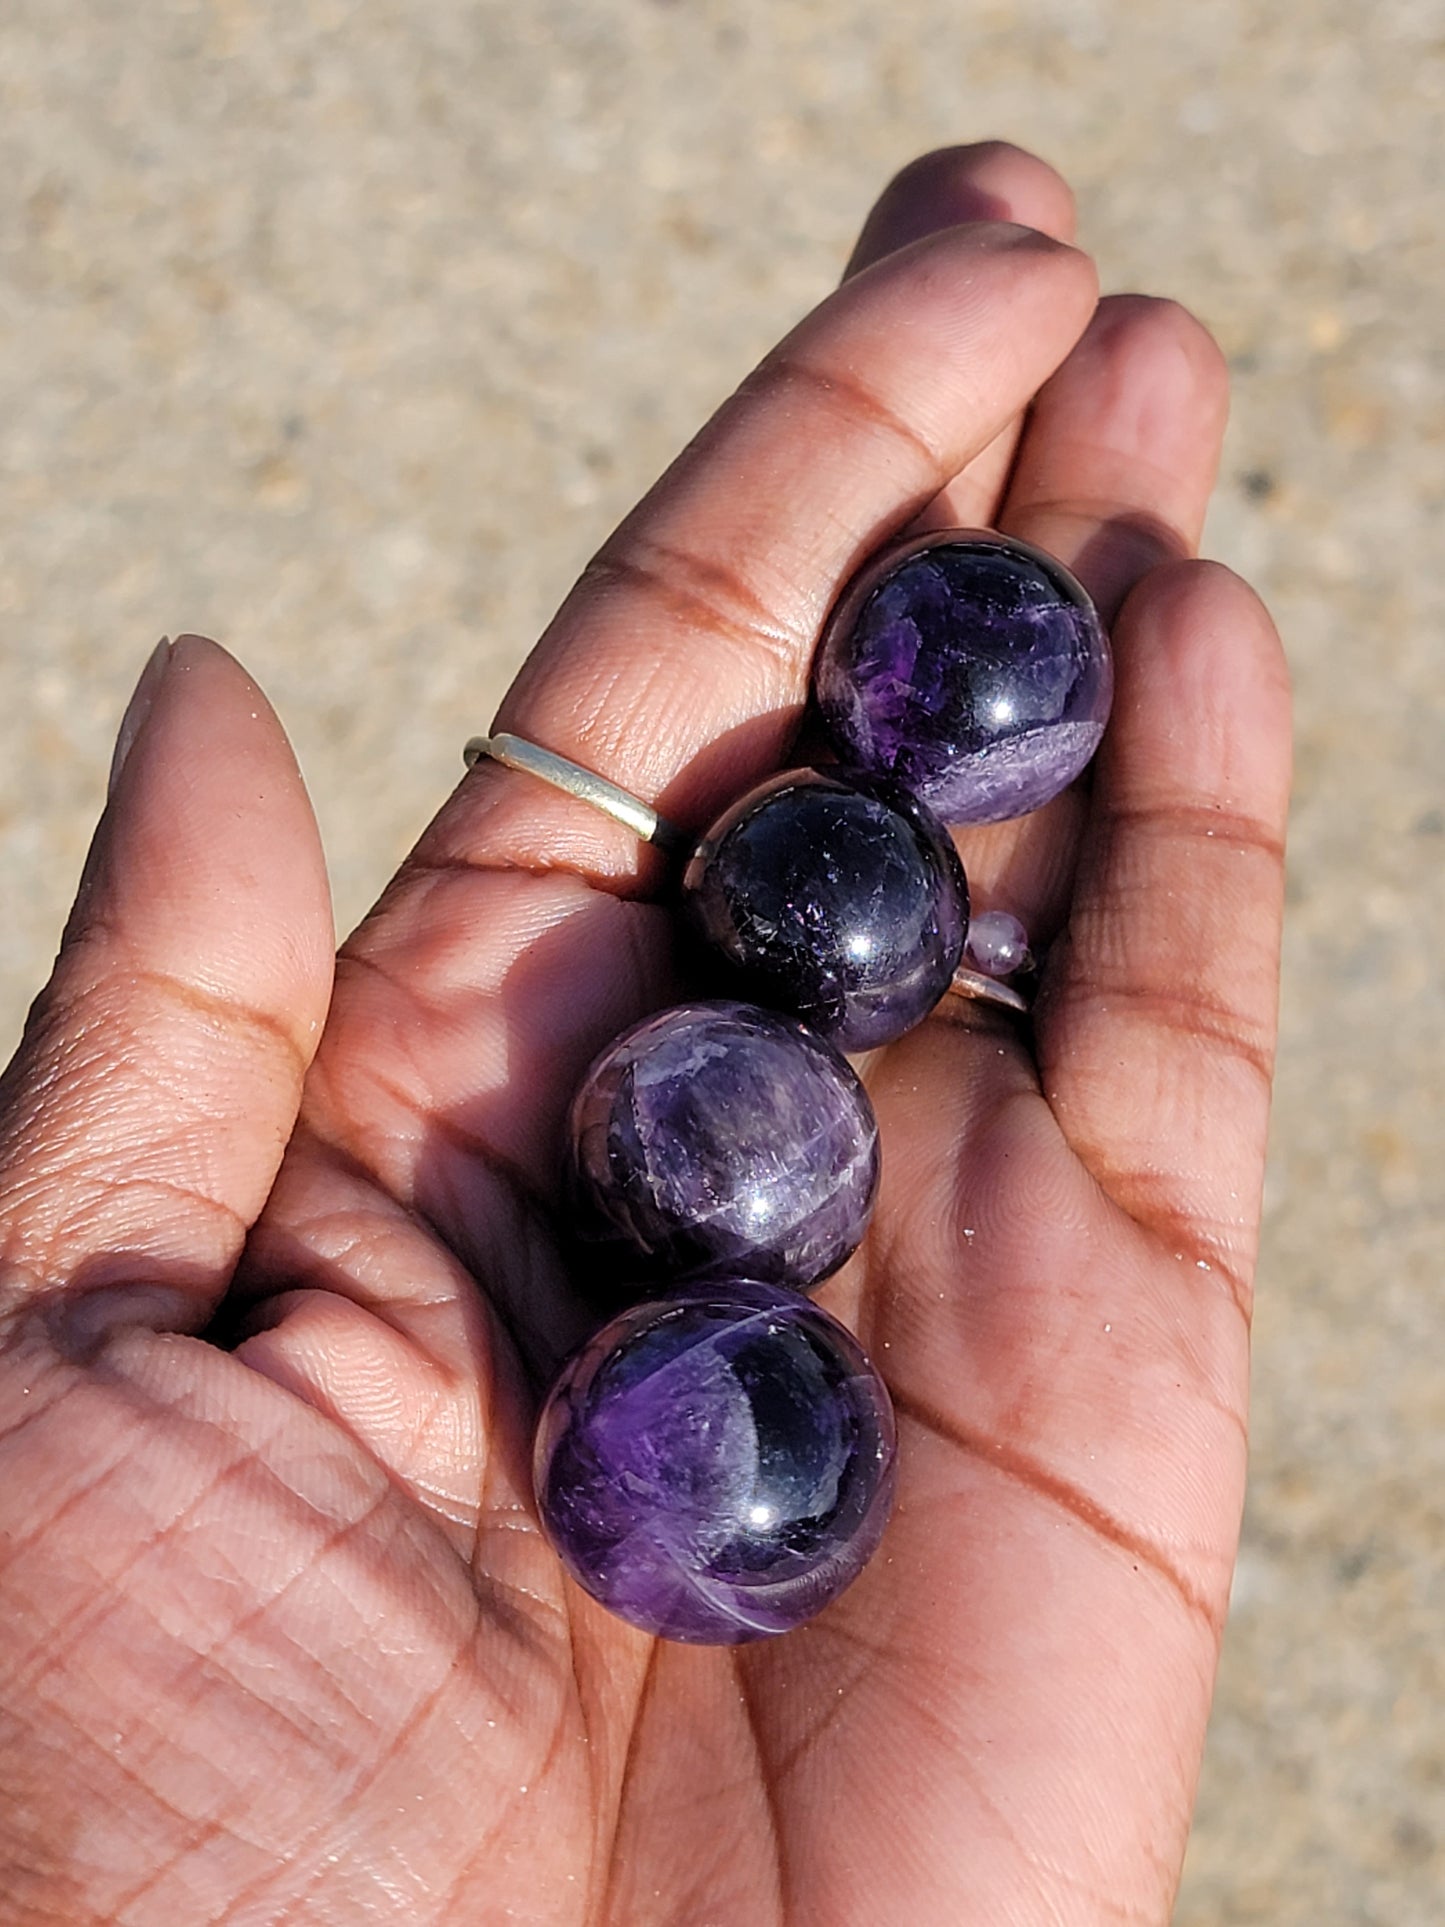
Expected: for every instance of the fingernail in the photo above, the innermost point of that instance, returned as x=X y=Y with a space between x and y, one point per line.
x=1013 y=234
x=138 y=709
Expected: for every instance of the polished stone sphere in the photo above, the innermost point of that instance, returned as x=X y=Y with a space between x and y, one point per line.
x=717 y=1467
x=717 y=1139
x=836 y=897
x=997 y=945
x=971 y=669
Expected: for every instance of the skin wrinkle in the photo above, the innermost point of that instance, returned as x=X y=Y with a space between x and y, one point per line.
x=399 y=1739
x=84 y=1093
x=130 y=1359
x=443 y=1910
x=647 y=1687
x=427 y=1413
x=56 y=1658
x=728 y=436
x=925 y=1710
x=473 y=1145
x=112 y=1188
x=15 y=1549
x=95 y=1744
x=530 y=1205
x=605 y=1804
x=392 y=1313
x=1214 y=823
x=182 y=1294
x=835 y=384
x=1186 y=1015
x=351 y=1163
x=364 y=1785
x=1003 y=1820
x=699 y=597
x=491 y=1163
x=231 y=1014
x=133 y=1775
x=200 y=1659
x=26 y=1351
x=32 y=1250
x=1173 y=1233
x=772 y=1791
x=592 y=1768
x=404 y=1443
x=441 y=1504
x=353 y=956
x=307 y=1269
x=207 y=1677
x=785 y=1762
x=493 y=1595
x=1164 y=1236
x=1062 y=1493
x=594 y=893
x=625 y=885
x=624 y=869
x=172 y=1869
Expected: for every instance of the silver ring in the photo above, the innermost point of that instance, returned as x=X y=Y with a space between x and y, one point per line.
x=986 y=990
x=515 y=752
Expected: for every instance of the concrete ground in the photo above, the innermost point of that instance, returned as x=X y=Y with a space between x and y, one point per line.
x=344 y=329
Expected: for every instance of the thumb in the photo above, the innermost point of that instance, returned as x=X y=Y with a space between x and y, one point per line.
x=145 y=1114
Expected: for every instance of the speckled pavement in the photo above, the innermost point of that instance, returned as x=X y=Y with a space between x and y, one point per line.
x=343 y=330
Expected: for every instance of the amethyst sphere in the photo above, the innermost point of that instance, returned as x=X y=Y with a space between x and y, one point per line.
x=717 y=1467
x=720 y=1140
x=837 y=897
x=970 y=668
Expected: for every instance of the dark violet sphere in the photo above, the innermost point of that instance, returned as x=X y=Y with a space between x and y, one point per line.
x=834 y=896
x=717 y=1467
x=720 y=1140
x=970 y=668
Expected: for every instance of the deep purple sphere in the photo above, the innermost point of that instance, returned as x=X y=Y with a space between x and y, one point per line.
x=970 y=668
x=717 y=1467
x=834 y=896
x=720 y=1140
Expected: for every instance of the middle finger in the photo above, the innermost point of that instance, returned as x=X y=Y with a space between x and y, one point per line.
x=1113 y=476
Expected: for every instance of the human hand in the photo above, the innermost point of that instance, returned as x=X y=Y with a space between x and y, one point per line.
x=282 y=1638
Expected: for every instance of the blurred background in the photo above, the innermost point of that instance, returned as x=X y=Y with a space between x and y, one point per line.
x=343 y=330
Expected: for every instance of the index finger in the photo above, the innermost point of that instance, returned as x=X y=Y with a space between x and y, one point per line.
x=678 y=665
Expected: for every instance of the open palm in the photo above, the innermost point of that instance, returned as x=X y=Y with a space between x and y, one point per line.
x=281 y=1637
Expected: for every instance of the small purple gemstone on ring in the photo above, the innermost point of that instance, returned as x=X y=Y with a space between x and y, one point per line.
x=997 y=944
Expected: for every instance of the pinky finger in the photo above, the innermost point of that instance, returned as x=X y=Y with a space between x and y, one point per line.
x=1156 y=1031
